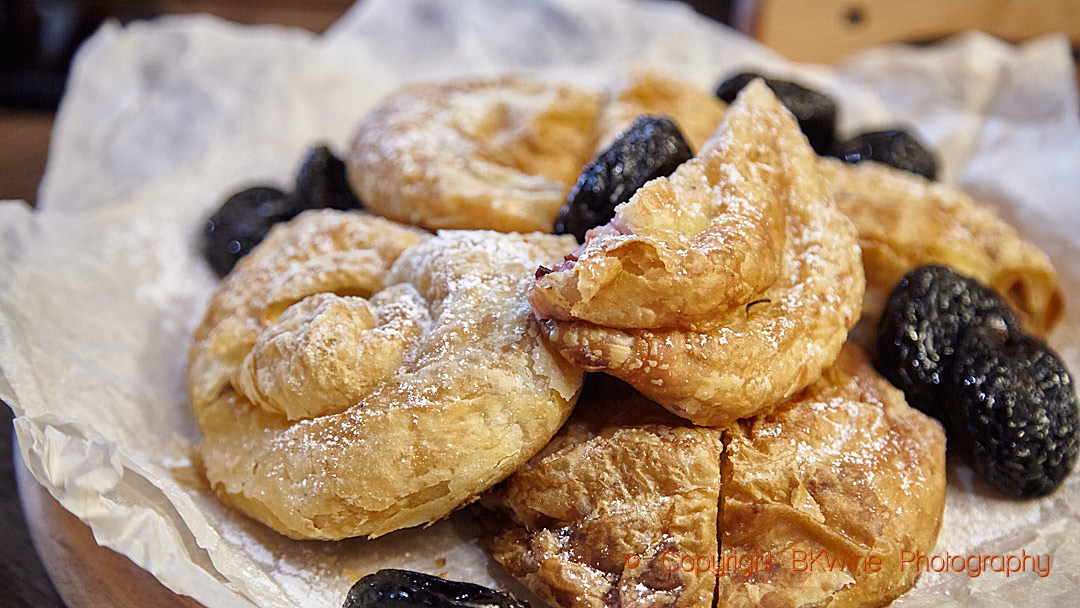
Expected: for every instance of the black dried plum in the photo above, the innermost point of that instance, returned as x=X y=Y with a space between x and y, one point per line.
x=242 y=222
x=245 y=218
x=321 y=182
x=651 y=147
x=407 y=589
x=1012 y=411
x=921 y=325
x=816 y=112
x=896 y=148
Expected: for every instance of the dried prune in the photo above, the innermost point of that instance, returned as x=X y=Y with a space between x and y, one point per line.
x=242 y=222
x=896 y=148
x=921 y=324
x=651 y=147
x=321 y=182
x=1012 y=411
x=816 y=112
x=245 y=218
x=391 y=588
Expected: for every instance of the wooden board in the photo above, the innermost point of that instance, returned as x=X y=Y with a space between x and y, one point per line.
x=85 y=574
x=824 y=31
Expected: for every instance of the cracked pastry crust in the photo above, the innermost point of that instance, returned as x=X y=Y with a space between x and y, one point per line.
x=721 y=290
x=501 y=154
x=623 y=479
x=353 y=376
x=905 y=221
x=845 y=467
x=848 y=468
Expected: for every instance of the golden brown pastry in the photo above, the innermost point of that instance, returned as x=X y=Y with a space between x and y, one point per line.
x=622 y=508
x=847 y=468
x=501 y=154
x=905 y=221
x=695 y=111
x=621 y=488
x=497 y=154
x=353 y=376
x=721 y=290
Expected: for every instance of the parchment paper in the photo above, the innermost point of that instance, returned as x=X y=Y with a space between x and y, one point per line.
x=102 y=284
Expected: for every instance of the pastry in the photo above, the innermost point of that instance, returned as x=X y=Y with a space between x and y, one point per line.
x=513 y=172
x=622 y=483
x=695 y=111
x=501 y=154
x=353 y=376
x=721 y=290
x=497 y=154
x=626 y=505
x=905 y=221
x=847 y=468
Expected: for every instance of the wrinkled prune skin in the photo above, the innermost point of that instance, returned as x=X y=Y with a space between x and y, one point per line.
x=242 y=222
x=246 y=217
x=896 y=148
x=321 y=182
x=651 y=147
x=921 y=325
x=816 y=112
x=407 y=589
x=1012 y=411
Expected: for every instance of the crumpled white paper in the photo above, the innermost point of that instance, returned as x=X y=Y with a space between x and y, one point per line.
x=101 y=286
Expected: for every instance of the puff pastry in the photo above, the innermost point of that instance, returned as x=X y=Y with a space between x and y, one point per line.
x=611 y=513
x=905 y=221
x=695 y=111
x=721 y=290
x=353 y=376
x=622 y=483
x=847 y=468
x=501 y=154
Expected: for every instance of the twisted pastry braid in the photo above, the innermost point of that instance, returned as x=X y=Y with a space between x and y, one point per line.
x=353 y=376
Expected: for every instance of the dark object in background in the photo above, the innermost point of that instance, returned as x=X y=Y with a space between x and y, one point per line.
x=38 y=39
x=246 y=217
x=918 y=332
x=1012 y=412
x=407 y=589
x=816 y=112
x=649 y=148
x=895 y=147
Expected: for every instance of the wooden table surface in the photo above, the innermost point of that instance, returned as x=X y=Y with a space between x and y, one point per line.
x=77 y=563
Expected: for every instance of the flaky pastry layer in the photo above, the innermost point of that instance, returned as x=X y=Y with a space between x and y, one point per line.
x=353 y=376
x=695 y=111
x=905 y=221
x=629 y=507
x=498 y=154
x=723 y=289
x=501 y=154
x=846 y=468
x=623 y=487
